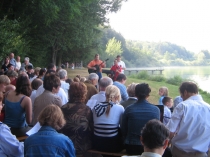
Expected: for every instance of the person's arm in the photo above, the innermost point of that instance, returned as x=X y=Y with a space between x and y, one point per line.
x=91 y=66
x=124 y=94
x=28 y=109
x=9 y=143
x=175 y=120
x=70 y=152
x=124 y=125
x=103 y=65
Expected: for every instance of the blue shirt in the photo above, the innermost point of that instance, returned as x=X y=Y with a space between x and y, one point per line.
x=160 y=102
x=134 y=119
x=47 y=142
x=9 y=145
x=13 y=62
x=123 y=90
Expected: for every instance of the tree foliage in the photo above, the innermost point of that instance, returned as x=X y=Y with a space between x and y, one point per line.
x=58 y=30
x=113 y=47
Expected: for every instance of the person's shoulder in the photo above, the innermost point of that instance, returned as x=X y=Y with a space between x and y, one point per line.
x=120 y=107
x=4 y=127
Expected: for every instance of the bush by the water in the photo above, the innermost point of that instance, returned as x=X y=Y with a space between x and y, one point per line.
x=176 y=80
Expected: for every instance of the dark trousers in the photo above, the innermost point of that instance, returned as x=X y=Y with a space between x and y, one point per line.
x=99 y=75
x=18 y=132
x=108 y=144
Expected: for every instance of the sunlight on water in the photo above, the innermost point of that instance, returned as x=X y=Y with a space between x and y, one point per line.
x=200 y=74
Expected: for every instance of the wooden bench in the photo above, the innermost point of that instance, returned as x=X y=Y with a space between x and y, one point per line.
x=22 y=138
x=123 y=152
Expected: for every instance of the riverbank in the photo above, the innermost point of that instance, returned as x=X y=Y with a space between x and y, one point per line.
x=154 y=97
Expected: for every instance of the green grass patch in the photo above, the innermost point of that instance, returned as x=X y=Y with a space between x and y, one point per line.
x=158 y=81
x=155 y=82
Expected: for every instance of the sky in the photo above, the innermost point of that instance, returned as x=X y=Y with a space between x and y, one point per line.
x=182 y=22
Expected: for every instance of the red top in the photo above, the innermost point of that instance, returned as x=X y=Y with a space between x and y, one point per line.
x=117 y=69
x=2 y=116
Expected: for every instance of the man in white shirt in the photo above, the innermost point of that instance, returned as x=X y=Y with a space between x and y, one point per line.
x=18 y=63
x=63 y=76
x=121 y=63
x=154 y=138
x=189 y=125
x=100 y=97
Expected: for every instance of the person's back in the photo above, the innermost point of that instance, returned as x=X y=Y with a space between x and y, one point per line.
x=196 y=113
x=15 y=114
x=79 y=118
x=45 y=99
x=189 y=125
x=135 y=117
x=48 y=143
x=106 y=117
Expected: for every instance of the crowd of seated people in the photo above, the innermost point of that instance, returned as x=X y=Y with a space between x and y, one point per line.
x=81 y=113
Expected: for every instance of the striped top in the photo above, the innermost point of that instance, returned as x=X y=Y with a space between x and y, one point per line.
x=107 y=126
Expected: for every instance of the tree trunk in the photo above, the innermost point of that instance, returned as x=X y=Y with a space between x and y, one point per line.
x=53 y=55
x=59 y=59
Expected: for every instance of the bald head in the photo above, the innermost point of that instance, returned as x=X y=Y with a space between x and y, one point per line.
x=105 y=82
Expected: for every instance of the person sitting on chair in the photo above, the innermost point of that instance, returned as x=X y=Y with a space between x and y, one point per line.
x=154 y=138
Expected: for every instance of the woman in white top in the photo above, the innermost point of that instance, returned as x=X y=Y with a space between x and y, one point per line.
x=106 y=117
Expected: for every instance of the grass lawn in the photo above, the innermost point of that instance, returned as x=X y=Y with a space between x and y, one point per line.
x=154 y=97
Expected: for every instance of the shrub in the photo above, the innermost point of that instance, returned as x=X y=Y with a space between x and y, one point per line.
x=176 y=80
x=143 y=75
x=158 y=78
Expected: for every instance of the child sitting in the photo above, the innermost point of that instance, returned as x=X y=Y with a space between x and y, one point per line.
x=163 y=91
x=168 y=103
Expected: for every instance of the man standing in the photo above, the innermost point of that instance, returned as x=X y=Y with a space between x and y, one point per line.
x=26 y=62
x=189 y=125
x=121 y=63
x=12 y=60
x=18 y=63
x=96 y=66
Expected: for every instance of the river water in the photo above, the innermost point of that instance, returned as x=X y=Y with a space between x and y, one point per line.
x=200 y=74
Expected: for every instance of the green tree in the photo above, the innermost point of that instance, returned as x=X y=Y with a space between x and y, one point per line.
x=56 y=30
x=113 y=47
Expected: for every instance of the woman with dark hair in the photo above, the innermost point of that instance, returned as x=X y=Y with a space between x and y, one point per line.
x=4 y=67
x=42 y=73
x=35 y=84
x=135 y=117
x=79 y=120
x=18 y=107
x=51 y=87
x=47 y=141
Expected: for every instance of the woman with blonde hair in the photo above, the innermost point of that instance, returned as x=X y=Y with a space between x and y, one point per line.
x=163 y=91
x=106 y=117
x=47 y=141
